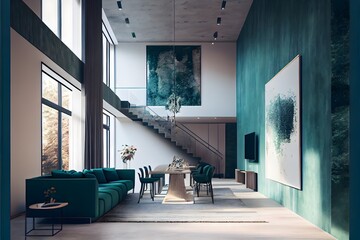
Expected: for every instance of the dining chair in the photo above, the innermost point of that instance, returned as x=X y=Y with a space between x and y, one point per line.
x=204 y=178
x=161 y=178
x=144 y=181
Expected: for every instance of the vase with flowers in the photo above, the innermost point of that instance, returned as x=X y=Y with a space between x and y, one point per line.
x=127 y=154
x=49 y=195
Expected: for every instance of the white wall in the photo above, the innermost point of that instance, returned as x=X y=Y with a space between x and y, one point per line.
x=218 y=78
x=26 y=117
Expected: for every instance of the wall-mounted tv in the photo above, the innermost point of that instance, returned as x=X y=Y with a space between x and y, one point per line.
x=250 y=147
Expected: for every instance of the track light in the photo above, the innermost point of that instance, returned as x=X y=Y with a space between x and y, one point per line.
x=218 y=21
x=133 y=35
x=119 y=5
x=223 y=4
x=127 y=21
x=215 y=35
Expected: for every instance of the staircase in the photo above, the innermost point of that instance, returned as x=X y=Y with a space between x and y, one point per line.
x=180 y=135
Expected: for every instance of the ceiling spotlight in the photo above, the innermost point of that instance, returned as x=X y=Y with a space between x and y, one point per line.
x=133 y=35
x=223 y=4
x=212 y=43
x=215 y=35
x=127 y=21
x=119 y=5
x=218 y=21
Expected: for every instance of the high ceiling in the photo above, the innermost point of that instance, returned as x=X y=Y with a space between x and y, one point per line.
x=195 y=20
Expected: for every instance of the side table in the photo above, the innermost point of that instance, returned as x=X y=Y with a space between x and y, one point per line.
x=55 y=212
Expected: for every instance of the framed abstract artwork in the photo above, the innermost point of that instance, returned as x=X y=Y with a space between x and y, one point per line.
x=173 y=69
x=283 y=125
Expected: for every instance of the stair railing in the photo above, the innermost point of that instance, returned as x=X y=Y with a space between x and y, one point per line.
x=181 y=135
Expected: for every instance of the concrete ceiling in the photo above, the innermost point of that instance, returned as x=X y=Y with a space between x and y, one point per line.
x=195 y=20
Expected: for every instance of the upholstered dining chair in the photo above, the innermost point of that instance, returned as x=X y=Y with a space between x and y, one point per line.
x=161 y=178
x=144 y=181
x=204 y=178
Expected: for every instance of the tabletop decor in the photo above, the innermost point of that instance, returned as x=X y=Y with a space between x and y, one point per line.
x=127 y=154
x=48 y=194
x=178 y=163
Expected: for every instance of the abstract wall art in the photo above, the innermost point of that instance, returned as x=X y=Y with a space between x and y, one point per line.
x=173 y=69
x=283 y=126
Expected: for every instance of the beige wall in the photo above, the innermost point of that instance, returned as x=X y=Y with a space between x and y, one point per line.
x=26 y=115
x=35 y=5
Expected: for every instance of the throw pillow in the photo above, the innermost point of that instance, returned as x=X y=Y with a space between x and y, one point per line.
x=66 y=174
x=99 y=173
x=110 y=174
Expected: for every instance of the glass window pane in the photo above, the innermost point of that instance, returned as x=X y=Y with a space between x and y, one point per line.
x=66 y=97
x=49 y=158
x=104 y=58
x=49 y=88
x=67 y=14
x=65 y=138
x=106 y=147
x=50 y=16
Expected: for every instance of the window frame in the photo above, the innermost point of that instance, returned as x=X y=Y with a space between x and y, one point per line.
x=58 y=107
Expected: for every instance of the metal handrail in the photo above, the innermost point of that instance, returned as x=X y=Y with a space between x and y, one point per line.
x=183 y=128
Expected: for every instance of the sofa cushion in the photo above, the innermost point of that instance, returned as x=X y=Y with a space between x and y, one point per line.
x=66 y=174
x=120 y=187
x=99 y=173
x=112 y=193
x=110 y=174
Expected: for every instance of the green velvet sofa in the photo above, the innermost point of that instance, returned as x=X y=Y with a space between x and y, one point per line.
x=90 y=193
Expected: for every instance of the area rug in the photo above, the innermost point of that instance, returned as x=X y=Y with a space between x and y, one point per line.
x=226 y=209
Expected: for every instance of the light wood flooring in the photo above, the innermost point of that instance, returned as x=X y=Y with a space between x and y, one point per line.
x=281 y=223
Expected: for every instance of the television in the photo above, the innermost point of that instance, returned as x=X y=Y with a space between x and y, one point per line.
x=250 y=147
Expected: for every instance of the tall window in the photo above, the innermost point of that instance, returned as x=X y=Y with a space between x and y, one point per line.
x=56 y=117
x=64 y=18
x=106 y=140
x=108 y=59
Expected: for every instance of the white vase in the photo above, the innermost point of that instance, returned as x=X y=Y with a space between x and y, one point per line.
x=127 y=164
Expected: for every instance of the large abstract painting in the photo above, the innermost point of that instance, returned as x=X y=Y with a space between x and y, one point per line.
x=282 y=126
x=173 y=70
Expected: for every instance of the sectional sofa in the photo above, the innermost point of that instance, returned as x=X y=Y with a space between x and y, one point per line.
x=90 y=193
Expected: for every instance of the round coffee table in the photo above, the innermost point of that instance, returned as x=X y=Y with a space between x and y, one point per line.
x=52 y=209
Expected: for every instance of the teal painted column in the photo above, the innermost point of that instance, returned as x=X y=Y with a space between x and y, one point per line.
x=354 y=118
x=5 y=119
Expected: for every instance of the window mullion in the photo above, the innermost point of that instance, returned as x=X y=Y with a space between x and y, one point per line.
x=59 y=127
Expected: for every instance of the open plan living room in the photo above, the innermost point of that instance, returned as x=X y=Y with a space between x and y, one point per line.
x=177 y=119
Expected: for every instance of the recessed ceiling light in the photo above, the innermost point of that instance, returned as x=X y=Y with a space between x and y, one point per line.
x=223 y=4
x=215 y=35
x=218 y=21
x=198 y=118
x=212 y=43
x=127 y=21
x=133 y=35
x=119 y=5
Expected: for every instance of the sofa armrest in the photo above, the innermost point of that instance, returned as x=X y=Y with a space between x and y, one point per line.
x=80 y=193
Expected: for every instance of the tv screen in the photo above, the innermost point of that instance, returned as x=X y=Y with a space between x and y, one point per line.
x=250 y=146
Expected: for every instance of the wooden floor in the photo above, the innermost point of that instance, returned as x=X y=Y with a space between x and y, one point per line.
x=281 y=223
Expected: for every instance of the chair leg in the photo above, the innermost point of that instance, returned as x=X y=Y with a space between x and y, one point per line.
x=211 y=192
x=152 y=188
x=141 y=191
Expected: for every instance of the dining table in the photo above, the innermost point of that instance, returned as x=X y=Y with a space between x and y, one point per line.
x=176 y=193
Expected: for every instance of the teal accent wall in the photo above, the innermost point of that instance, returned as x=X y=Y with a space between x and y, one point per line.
x=5 y=119
x=274 y=33
x=340 y=62
x=354 y=118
